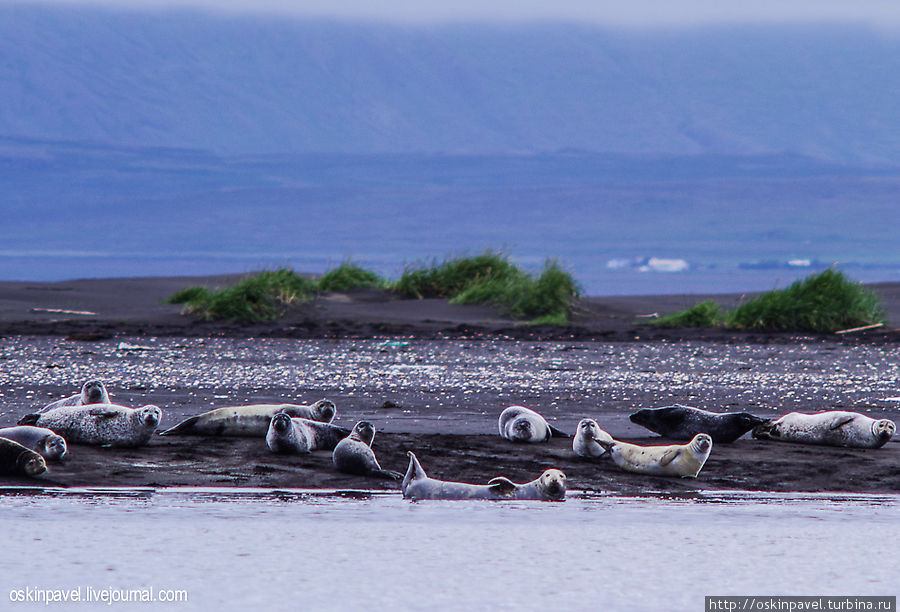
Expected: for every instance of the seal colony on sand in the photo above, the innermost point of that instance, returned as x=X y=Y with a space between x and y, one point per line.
x=16 y=460
x=297 y=436
x=684 y=422
x=251 y=420
x=685 y=460
x=100 y=424
x=39 y=439
x=92 y=392
x=354 y=455
x=550 y=486
x=521 y=424
x=585 y=443
x=832 y=428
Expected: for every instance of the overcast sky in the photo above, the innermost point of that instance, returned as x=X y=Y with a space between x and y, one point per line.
x=613 y=12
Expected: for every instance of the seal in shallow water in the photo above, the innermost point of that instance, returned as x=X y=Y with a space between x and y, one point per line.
x=585 y=444
x=16 y=460
x=354 y=455
x=292 y=435
x=685 y=460
x=39 y=439
x=249 y=420
x=521 y=424
x=684 y=422
x=832 y=428
x=550 y=486
x=92 y=392
x=100 y=424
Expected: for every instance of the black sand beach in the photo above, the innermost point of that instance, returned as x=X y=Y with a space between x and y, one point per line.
x=433 y=378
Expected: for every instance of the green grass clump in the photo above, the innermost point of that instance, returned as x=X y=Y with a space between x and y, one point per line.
x=191 y=294
x=823 y=303
x=455 y=276
x=704 y=314
x=349 y=276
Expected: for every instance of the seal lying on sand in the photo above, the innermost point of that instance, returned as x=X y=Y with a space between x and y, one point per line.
x=685 y=460
x=584 y=444
x=296 y=436
x=684 y=422
x=354 y=455
x=39 y=439
x=92 y=392
x=550 y=486
x=100 y=424
x=521 y=424
x=832 y=428
x=249 y=420
x=16 y=460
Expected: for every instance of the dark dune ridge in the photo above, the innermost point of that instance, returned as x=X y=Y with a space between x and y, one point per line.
x=455 y=443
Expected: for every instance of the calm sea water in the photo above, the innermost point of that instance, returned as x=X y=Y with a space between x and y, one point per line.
x=296 y=550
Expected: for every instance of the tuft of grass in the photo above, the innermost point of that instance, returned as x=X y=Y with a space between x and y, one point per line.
x=823 y=303
x=349 y=276
x=704 y=314
x=191 y=294
x=454 y=276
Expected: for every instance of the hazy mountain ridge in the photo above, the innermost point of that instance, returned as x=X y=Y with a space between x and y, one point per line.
x=239 y=85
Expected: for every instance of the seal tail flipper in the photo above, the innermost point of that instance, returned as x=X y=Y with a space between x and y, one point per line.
x=29 y=419
x=184 y=427
x=764 y=431
x=558 y=432
x=502 y=486
x=413 y=472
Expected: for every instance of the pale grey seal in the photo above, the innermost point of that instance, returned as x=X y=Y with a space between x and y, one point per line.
x=51 y=446
x=292 y=435
x=550 y=486
x=100 y=424
x=685 y=460
x=831 y=428
x=354 y=455
x=521 y=424
x=585 y=443
x=16 y=460
x=92 y=392
x=251 y=420
x=684 y=422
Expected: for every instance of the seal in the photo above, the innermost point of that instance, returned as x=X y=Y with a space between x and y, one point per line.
x=251 y=420
x=39 y=439
x=685 y=460
x=550 y=486
x=832 y=428
x=16 y=460
x=100 y=424
x=354 y=455
x=298 y=436
x=92 y=392
x=684 y=422
x=521 y=424
x=585 y=444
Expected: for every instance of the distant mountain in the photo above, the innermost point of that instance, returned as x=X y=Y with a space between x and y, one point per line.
x=239 y=85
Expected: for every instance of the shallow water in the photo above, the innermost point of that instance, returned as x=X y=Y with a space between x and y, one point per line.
x=280 y=550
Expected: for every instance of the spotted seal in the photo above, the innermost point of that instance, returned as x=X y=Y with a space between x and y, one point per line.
x=831 y=428
x=92 y=392
x=585 y=443
x=16 y=460
x=100 y=424
x=550 y=486
x=39 y=439
x=684 y=422
x=251 y=420
x=297 y=436
x=521 y=424
x=685 y=460
x=354 y=455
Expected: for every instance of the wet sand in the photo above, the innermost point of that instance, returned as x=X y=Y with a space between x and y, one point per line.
x=437 y=388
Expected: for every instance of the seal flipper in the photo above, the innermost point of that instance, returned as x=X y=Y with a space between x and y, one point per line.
x=103 y=414
x=502 y=486
x=29 y=419
x=389 y=474
x=558 y=432
x=669 y=456
x=841 y=423
x=184 y=427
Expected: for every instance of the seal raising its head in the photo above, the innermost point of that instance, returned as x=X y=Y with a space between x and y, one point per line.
x=354 y=455
x=831 y=428
x=585 y=443
x=684 y=422
x=521 y=424
x=685 y=460
x=92 y=392
x=39 y=439
x=251 y=420
x=16 y=460
x=101 y=424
